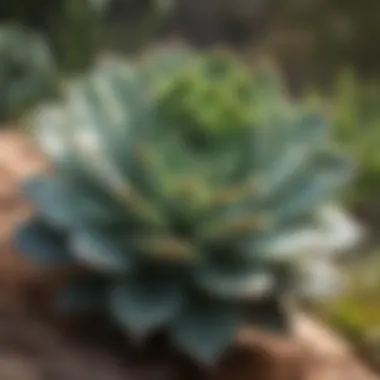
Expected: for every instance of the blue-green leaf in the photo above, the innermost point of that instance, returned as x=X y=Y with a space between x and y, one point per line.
x=166 y=63
x=63 y=205
x=312 y=130
x=142 y=306
x=320 y=280
x=206 y=331
x=319 y=185
x=293 y=157
x=41 y=244
x=102 y=252
x=50 y=199
x=241 y=283
x=283 y=244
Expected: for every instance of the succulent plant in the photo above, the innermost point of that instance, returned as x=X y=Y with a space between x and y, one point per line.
x=189 y=189
x=27 y=72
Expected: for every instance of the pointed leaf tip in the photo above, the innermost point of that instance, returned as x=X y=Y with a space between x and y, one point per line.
x=41 y=244
x=206 y=332
x=142 y=307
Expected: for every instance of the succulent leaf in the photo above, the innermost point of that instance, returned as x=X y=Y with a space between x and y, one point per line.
x=42 y=244
x=320 y=280
x=101 y=252
x=206 y=331
x=141 y=306
x=323 y=179
x=237 y=284
x=63 y=204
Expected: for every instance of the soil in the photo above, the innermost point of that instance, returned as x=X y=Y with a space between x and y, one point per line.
x=37 y=345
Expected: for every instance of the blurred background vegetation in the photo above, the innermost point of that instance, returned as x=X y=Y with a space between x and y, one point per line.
x=327 y=51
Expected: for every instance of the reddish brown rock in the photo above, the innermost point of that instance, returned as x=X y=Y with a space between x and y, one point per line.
x=19 y=159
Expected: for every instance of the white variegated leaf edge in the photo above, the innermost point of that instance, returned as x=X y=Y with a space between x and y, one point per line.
x=335 y=233
x=320 y=279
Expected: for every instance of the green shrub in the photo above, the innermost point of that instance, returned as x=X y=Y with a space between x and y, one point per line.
x=27 y=71
x=357 y=128
x=72 y=28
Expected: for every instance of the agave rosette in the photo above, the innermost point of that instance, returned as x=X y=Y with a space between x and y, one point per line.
x=178 y=184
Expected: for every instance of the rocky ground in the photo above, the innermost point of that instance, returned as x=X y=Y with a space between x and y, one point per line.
x=34 y=345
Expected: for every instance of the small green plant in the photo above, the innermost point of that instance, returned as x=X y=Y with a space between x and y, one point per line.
x=181 y=185
x=357 y=129
x=75 y=35
x=27 y=72
x=72 y=28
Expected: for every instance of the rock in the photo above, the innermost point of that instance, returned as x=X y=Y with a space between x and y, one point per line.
x=19 y=159
x=32 y=348
x=15 y=367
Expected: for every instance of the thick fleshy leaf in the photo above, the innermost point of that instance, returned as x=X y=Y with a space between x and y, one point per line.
x=84 y=294
x=320 y=280
x=342 y=233
x=106 y=97
x=291 y=162
x=287 y=244
x=206 y=331
x=320 y=184
x=102 y=252
x=163 y=64
x=297 y=151
x=288 y=145
x=62 y=205
x=242 y=283
x=41 y=244
x=235 y=221
x=146 y=169
x=143 y=305
x=312 y=130
x=269 y=143
x=49 y=125
x=50 y=199
x=331 y=232
x=167 y=249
